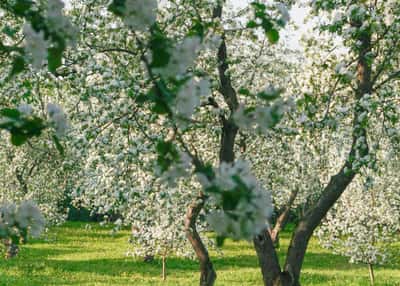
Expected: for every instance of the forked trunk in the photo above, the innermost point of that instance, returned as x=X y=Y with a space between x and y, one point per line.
x=269 y=263
x=272 y=274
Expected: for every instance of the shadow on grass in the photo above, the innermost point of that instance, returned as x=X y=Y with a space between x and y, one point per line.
x=315 y=279
x=127 y=264
x=44 y=270
x=328 y=261
x=89 y=235
x=44 y=262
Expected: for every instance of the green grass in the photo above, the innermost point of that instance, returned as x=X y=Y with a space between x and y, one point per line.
x=73 y=255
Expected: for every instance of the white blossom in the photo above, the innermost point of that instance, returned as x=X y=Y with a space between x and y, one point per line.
x=25 y=109
x=140 y=14
x=188 y=97
x=261 y=118
x=285 y=17
x=58 y=22
x=25 y=217
x=181 y=57
x=58 y=118
x=251 y=214
x=35 y=45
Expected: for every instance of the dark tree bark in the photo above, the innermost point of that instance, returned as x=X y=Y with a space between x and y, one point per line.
x=290 y=276
x=283 y=218
x=268 y=261
x=312 y=219
x=226 y=154
x=341 y=180
x=229 y=128
x=207 y=272
x=228 y=137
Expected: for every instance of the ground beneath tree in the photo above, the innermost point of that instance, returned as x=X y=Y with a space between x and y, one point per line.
x=87 y=254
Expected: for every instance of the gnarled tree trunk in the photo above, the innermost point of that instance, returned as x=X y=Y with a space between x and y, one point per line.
x=226 y=154
x=313 y=218
x=290 y=276
x=207 y=272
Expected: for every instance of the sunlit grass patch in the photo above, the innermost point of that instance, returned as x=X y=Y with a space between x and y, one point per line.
x=76 y=255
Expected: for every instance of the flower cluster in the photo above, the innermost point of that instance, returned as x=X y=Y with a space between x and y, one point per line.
x=140 y=14
x=182 y=56
x=16 y=221
x=189 y=95
x=261 y=118
x=177 y=169
x=365 y=221
x=244 y=205
x=35 y=45
x=58 y=119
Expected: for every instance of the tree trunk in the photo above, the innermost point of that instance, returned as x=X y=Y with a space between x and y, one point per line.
x=228 y=137
x=269 y=262
x=226 y=154
x=12 y=249
x=164 y=272
x=148 y=258
x=341 y=180
x=283 y=218
x=279 y=225
x=332 y=192
x=275 y=240
x=207 y=272
x=312 y=219
x=371 y=274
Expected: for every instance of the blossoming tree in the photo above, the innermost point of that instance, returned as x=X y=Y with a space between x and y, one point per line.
x=163 y=75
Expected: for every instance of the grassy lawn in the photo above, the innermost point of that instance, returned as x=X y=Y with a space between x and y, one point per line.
x=75 y=255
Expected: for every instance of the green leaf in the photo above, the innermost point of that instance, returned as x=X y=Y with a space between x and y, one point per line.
x=244 y=91
x=258 y=6
x=220 y=240
x=197 y=29
x=141 y=98
x=117 y=7
x=160 y=107
x=58 y=145
x=21 y=6
x=163 y=147
x=207 y=170
x=267 y=25
x=269 y=96
x=54 y=58
x=10 y=31
x=159 y=45
x=167 y=154
x=18 y=139
x=17 y=66
x=252 y=24
x=273 y=36
x=33 y=127
x=11 y=113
